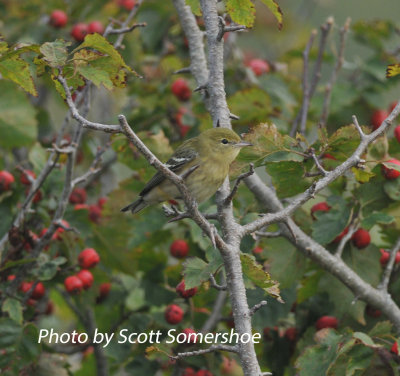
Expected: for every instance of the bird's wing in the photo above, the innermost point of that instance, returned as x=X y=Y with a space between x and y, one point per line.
x=180 y=158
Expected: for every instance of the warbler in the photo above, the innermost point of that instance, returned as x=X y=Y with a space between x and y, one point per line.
x=202 y=161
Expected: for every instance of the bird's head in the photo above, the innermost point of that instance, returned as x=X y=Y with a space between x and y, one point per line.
x=223 y=142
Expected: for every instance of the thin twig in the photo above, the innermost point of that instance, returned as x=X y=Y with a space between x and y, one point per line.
x=213 y=283
x=389 y=267
x=256 y=307
x=212 y=348
x=266 y=234
x=322 y=171
x=124 y=30
x=240 y=178
x=351 y=230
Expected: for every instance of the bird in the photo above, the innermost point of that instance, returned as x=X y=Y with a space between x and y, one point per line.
x=202 y=161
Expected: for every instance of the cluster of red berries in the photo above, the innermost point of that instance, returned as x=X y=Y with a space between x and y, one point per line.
x=361 y=238
x=78 y=198
x=87 y=259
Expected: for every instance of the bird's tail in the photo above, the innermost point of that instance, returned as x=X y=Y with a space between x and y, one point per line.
x=136 y=206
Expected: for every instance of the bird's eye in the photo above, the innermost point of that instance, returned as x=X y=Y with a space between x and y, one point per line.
x=224 y=141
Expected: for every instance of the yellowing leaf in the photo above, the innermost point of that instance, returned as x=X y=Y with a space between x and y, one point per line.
x=276 y=11
x=195 y=6
x=55 y=53
x=241 y=11
x=392 y=70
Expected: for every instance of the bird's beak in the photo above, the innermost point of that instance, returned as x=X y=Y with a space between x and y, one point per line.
x=242 y=144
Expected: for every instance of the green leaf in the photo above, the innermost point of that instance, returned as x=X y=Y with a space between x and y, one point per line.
x=48 y=268
x=55 y=53
x=392 y=189
x=17 y=117
x=241 y=11
x=276 y=11
x=362 y=176
x=330 y=224
x=381 y=329
x=376 y=217
x=343 y=142
x=195 y=6
x=364 y=338
x=135 y=299
x=9 y=332
x=256 y=274
x=197 y=271
x=37 y=156
x=14 y=309
x=97 y=76
x=283 y=175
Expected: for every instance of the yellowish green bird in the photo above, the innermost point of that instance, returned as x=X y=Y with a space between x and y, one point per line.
x=203 y=162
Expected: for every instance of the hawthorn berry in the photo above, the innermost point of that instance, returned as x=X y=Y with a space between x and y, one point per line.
x=173 y=314
x=259 y=66
x=101 y=202
x=58 y=18
x=397 y=133
x=395 y=349
x=190 y=335
x=340 y=236
x=79 y=31
x=78 y=196
x=24 y=178
x=37 y=292
x=36 y=198
x=6 y=179
x=181 y=89
x=386 y=255
x=291 y=334
x=73 y=284
x=180 y=289
x=127 y=4
x=326 y=322
x=203 y=372
x=11 y=277
x=179 y=248
x=88 y=258
x=257 y=250
x=321 y=206
x=95 y=27
x=378 y=117
x=361 y=238
x=328 y=156
x=81 y=207
x=86 y=277
x=391 y=173
x=104 y=290
x=94 y=213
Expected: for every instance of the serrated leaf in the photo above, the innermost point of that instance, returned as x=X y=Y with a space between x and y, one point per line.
x=374 y=218
x=14 y=309
x=55 y=53
x=197 y=271
x=362 y=176
x=195 y=6
x=276 y=11
x=392 y=70
x=97 y=76
x=241 y=11
x=17 y=117
x=330 y=224
x=344 y=141
x=256 y=274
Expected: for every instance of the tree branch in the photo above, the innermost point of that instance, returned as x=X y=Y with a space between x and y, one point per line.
x=389 y=267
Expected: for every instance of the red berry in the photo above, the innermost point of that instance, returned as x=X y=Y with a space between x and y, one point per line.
x=105 y=289
x=79 y=31
x=11 y=277
x=81 y=207
x=321 y=206
x=101 y=202
x=58 y=18
x=326 y=322
x=395 y=349
x=203 y=372
x=378 y=117
x=78 y=196
x=340 y=236
x=180 y=289
x=127 y=4
x=6 y=179
x=361 y=238
x=88 y=258
x=397 y=133
x=188 y=371
x=329 y=156
x=86 y=277
x=173 y=314
x=96 y=27
x=291 y=334
x=181 y=89
x=60 y=230
x=38 y=291
x=73 y=284
x=386 y=255
x=391 y=173
x=257 y=250
x=94 y=213
x=183 y=128
x=24 y=179
x=190 y=335
x=259 y=66
x=179 y=248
